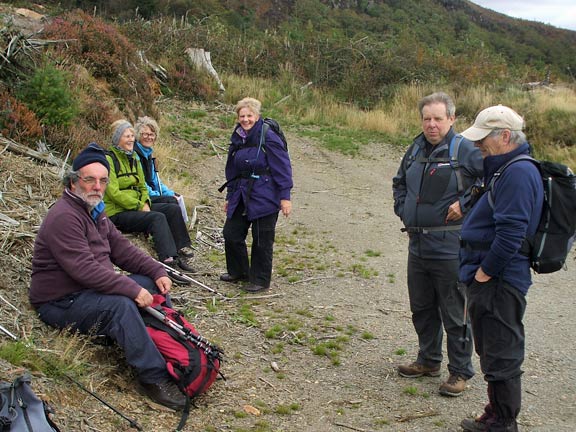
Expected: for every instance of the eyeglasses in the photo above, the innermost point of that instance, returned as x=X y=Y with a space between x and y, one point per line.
x=92 y=180
x=148 y=135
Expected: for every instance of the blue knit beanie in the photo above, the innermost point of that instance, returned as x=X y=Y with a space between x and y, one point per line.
x=92 y=153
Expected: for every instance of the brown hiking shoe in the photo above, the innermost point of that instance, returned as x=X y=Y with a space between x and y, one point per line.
x=415 y=370
x=164 y=393
x=454 y=386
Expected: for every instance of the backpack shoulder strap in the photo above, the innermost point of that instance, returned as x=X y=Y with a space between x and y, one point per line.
x=453 y=152
x=413 y=154
x=500 y=170
x=263 y=132
x=115 y=161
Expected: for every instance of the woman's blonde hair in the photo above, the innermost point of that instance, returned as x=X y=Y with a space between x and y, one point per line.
x=146 y=122
x=252 y=104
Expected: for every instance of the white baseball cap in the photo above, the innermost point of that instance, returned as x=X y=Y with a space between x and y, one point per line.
x=494 y=117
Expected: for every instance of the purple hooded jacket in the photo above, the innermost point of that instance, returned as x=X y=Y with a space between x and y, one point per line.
x=270 y=164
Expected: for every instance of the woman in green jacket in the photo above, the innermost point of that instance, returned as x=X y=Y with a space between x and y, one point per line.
x=128 y=203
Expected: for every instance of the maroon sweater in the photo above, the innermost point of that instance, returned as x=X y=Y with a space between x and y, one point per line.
x=73 y=252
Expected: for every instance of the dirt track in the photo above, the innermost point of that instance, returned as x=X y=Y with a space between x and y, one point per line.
x=349 y=202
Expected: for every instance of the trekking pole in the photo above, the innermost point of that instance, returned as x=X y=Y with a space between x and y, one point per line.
x=212 y=351
x=183 y=331
x=162 y=317
x=8 y=333
x=189 y=279
x=464 y=339
x=133 y=423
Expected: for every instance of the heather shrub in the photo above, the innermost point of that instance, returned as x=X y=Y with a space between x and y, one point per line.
x=48 y=94
x=107 y=55
x=17 y=122
x=102 y=49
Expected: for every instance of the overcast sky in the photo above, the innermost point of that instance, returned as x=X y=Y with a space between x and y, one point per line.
x=559 y=13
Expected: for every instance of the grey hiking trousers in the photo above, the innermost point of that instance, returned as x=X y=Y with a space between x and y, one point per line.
x=436 y=302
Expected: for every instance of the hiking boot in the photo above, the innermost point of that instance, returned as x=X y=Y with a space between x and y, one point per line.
x=253 y=288
x=474 y=425
x=103 y=340
x=454 y=386
x=184 y=265
x=177 y=279
x=415 y=370
x=186 y=252
x=173 y=271
x=488 y=423
x=164 y=393
x=229 y=278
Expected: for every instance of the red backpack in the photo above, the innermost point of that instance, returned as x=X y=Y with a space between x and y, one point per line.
x=191 y=360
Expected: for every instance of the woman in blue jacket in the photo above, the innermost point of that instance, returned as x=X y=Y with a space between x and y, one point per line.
x=163 y=198
x=259 y=181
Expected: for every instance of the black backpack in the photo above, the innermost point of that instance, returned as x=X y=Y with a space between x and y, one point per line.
x=273 y=124
x=22 y=410
x=551 y=244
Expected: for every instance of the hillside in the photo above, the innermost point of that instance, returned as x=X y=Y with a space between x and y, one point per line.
x=315 y=354
x=360 y=51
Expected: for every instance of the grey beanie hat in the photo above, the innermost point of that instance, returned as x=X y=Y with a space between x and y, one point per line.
x=120 y=129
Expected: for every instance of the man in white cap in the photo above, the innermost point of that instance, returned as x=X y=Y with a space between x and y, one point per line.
x=493 y=266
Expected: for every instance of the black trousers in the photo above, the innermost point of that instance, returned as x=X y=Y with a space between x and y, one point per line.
x=164 y=222
x=164 y=199
x=259 y=269
x=176 y=222
x=496 y=312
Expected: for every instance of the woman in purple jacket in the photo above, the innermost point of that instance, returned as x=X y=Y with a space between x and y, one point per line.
x=259 y=180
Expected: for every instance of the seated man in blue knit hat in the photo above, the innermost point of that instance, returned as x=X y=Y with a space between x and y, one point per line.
x=74 y=284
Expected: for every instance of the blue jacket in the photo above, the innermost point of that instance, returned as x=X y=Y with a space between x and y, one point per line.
x=153 y=182
x=423 y=191
x=518 y=197
x=270 y=165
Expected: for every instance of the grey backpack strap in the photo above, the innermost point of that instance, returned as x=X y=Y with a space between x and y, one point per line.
x=453 y=150
x=427 y=230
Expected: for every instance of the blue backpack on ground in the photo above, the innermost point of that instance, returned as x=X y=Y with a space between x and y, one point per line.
x=21 y=410
x=549 y=247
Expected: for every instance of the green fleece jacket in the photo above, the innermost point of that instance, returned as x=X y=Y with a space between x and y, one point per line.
x=127 y=187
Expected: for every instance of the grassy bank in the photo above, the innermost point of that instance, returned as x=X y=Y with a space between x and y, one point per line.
x=550 y=114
